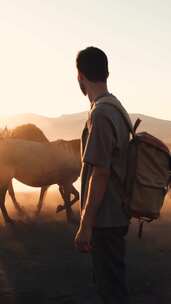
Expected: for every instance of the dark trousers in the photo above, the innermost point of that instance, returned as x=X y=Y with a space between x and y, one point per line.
x=108 y=256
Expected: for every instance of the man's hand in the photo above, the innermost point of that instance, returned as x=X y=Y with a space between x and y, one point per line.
x=83 y=239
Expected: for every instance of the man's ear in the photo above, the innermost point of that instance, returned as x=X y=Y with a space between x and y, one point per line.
x=80 y=76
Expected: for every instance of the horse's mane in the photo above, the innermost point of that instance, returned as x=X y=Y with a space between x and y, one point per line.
x=28 y=132
x=75 y=143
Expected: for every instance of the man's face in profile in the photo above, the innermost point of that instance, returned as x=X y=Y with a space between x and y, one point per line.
x=81 y=84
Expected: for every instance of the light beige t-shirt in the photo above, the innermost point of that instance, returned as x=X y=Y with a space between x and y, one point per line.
x=104 y=143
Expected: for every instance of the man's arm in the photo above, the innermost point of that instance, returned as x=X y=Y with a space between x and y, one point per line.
x=98 y=153
x=96 y=190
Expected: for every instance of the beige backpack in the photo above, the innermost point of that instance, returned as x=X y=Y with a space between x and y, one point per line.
x=147 y=177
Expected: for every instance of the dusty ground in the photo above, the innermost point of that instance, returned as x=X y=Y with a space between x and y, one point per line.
x=38 y=262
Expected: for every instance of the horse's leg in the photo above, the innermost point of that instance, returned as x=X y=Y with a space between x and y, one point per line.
x=12 y=194
x=42 y=195
x=61 y=207
x=76 y=195
x=3 y=191
x=61 y=189
x=65 y=191
x=73 y=201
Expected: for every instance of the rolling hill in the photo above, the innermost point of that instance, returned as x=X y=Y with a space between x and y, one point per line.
x=70 y=126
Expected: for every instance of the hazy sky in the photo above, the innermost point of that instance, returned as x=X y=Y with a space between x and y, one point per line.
x=39 y=40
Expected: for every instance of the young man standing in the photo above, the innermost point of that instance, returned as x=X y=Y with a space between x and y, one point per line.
x=105 y=138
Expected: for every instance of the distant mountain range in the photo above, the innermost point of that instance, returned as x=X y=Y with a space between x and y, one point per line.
x=70 y=126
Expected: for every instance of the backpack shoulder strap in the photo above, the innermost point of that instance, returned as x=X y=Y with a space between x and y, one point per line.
x=117 y=104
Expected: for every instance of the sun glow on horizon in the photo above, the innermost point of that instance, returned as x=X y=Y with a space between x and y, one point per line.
x=39 y=43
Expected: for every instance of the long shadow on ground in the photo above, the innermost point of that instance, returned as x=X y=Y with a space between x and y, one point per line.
x=39 y=264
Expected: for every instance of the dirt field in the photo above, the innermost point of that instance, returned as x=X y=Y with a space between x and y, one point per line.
x=38 y=262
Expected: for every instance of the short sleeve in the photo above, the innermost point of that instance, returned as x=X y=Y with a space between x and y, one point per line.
x=101 y=141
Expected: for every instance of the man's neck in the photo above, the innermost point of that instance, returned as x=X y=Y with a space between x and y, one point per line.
x=96 y=90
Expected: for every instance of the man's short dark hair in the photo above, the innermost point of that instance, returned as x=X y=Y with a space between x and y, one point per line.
x=93 y=64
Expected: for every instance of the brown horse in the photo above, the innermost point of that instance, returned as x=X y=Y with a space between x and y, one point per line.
x=66 y=188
